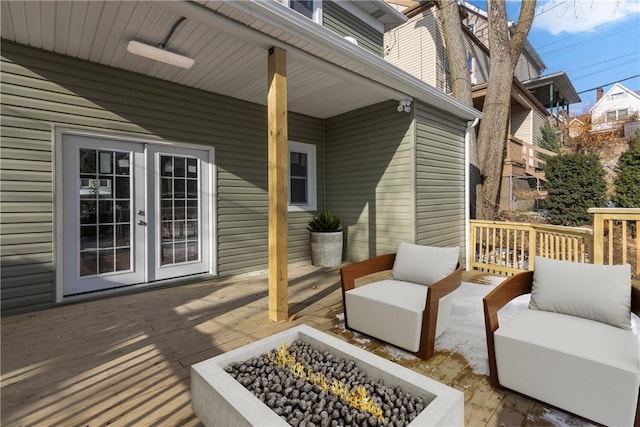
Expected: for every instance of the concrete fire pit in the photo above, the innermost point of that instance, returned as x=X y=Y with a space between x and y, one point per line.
x=219 y=400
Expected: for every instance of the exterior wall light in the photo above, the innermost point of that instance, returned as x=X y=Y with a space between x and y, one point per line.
x=404 y=105
x=160 y=52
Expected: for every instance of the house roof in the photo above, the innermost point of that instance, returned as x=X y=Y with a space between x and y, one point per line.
x=383 y=12
x=527 y=47
x=615 y=88
x=229 y=40
x=519 y=93
x=540 y=86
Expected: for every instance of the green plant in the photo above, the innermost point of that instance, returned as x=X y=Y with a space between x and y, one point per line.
x=627 y=182
x=325 y=222
x=575 y=183
x=550 y=140
x=634 y=143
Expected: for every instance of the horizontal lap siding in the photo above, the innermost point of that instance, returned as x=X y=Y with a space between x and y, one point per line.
x=41 y=90
x=440 y=172
x=521 y=123
x=369 y=177
x=412 y=47
x=345 y=23
x=537 y=120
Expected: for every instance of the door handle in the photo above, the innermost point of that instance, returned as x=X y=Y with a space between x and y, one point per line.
x=141 y=222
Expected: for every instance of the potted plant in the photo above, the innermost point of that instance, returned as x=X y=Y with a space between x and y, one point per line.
x=326 y=239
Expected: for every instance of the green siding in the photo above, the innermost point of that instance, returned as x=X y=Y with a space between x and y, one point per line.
x=41 y=90
x=370 y=170
x=345 y=23
x=440 y=172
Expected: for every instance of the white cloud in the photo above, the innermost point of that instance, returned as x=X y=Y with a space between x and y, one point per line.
x=573 y=16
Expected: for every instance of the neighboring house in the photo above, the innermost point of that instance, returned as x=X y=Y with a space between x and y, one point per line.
x=579 y=124
x=614 y=108
x=119 y=172
x=417 y=46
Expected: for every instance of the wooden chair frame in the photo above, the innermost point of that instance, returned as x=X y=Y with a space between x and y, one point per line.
x=516 y=285
x=436 y=291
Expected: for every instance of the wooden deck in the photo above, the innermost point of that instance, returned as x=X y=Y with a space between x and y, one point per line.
x=125 y=360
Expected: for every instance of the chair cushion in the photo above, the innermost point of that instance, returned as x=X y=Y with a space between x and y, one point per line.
x=390 y=310
x=580 y=365
x=424 y=265
x=596 y=292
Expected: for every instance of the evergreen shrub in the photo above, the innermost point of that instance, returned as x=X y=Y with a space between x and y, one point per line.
x=575 y=183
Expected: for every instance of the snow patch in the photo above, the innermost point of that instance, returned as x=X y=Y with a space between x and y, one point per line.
x=465 y=334
x=397 y=354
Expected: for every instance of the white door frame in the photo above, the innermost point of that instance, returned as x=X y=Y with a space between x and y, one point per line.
x=59 y=133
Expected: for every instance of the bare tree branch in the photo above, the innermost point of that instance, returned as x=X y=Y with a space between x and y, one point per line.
x=525 y=20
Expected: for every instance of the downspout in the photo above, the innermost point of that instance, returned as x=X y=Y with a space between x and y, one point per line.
x=467 y=189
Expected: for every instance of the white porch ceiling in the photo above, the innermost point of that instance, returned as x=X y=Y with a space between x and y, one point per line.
x=232 y=63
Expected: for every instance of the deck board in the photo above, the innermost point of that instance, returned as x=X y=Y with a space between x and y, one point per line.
x=126 y=360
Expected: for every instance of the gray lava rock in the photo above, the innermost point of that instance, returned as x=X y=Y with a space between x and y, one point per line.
x=302 y=404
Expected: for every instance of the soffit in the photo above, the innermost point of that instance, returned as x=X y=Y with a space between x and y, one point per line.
x=224 y=63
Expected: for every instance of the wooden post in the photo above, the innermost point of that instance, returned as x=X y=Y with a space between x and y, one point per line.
x=598 y=237
x=532 y=248
x=278 y=159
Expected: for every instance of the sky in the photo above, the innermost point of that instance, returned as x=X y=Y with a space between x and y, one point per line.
x=596 y=42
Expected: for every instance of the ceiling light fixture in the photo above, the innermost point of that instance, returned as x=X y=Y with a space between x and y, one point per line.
x=160 y=52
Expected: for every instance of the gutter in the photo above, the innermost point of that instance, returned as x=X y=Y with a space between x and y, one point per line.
x=368 y=66
x=467 y=189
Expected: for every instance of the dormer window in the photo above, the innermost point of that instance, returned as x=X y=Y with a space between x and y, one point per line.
x=312 y=9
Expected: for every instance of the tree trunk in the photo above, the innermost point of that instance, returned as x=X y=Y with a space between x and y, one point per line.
x=449 y=16
x=497 y=106
x=494 y=129
x=505 y=49
x=456 y=50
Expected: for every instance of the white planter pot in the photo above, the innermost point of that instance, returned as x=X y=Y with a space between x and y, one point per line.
x=326 y=248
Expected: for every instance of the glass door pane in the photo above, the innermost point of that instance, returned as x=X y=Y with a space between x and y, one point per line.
x=180 y=217
x=181 y=213
x=105 y=213
x=102 y=184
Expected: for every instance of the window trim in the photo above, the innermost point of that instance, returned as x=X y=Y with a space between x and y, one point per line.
x=317 y=10
x=617 y=114
x=312 y=183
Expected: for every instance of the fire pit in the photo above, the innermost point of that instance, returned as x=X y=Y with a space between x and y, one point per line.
x=219 y=400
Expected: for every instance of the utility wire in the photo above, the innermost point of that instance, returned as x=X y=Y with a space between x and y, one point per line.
x=580 y=77
x=581 y=67
x=551 y=8
x=607 y=84
x=583 y=31
x=561 y=50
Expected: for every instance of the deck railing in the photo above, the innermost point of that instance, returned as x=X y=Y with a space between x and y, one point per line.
x=615 y=237
x=509 y=247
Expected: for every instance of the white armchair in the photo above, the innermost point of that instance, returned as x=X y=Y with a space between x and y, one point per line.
x=411 y=309
x=574 y=347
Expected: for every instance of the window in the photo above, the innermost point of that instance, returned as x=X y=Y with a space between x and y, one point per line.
x=471 y=27
x=617 y=115
x=302 y=176
x=312 y=9
x=471 y=63
x=618 y=95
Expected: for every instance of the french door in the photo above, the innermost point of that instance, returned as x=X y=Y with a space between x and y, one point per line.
x=131 y=213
